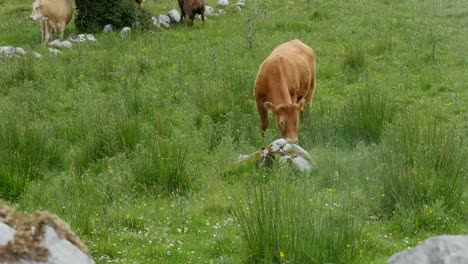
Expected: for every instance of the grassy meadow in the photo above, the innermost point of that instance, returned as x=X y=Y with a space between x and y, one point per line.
x=134 y=141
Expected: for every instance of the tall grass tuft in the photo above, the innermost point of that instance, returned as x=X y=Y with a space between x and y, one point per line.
x=365 y=115
x=26 y=153
x=423 y=163
x=283 y=223
x=355 y=59
x=163 y=166
x=102 y=135
x=21 y=70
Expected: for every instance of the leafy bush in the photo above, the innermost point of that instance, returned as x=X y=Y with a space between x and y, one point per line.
x=93 y=15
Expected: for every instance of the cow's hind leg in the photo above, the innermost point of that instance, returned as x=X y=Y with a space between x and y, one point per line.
x=202 y=13
x=310 y=93
x=186 y=19
x=263 y=114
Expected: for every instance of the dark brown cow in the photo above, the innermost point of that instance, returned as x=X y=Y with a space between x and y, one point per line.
x=285 y=82
x=189 y=8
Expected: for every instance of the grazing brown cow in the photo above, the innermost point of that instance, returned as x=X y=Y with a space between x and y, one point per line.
x=285 y=82
x=189 y=8
x=54 y=16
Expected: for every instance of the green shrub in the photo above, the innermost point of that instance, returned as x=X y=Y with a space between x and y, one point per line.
x=93 y=15
x=423 y=161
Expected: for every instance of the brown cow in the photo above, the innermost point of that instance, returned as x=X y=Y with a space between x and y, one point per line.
x=54 y=16
x=189 y=8
x=285 y=82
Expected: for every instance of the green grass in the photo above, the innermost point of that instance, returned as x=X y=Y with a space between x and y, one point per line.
x=134 y=142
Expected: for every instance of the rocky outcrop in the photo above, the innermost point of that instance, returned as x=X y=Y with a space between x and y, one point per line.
x=439 y=249
x=38 y=238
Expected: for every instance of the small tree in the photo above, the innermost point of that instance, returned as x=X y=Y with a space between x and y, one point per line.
x=93 y=15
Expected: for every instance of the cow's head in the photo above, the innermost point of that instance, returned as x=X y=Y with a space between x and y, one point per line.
x=287 y=118
x=36 y=11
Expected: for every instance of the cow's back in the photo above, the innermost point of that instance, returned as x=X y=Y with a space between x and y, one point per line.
x=57 y=11
x=287 y=72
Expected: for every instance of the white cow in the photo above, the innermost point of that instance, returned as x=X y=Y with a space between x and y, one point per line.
x=54 y=15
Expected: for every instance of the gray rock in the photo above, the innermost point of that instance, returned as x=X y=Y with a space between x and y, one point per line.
x=209 y=11
x=446 y=249
x=174 y=16
x=61 y=44
x=90 y=37
x=290 y=153
x=20 y=51
x=108 y=28
x=164 y=20
x=29 y=236
x=137 y=25
x=199 y=17
x=82 y=38
x=77 y=38
x=223 y=3
x=7 y=234
x=60 y=250
x=155 y=22
x=221 y=12
x=240 y=3
x=36 y=55
x=125 y=32
x=238 y=8
x=8 y=51
x=54 y=51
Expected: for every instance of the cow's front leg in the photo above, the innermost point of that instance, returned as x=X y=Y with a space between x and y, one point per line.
x=263 y=114
x=62 y=30
x=43 y=32
x=47 y=28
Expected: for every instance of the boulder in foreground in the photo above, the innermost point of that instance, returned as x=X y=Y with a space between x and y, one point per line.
x=40 y=238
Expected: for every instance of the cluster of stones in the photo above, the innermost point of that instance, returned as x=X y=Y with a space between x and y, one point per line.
x=173 y=16
x=12 y=52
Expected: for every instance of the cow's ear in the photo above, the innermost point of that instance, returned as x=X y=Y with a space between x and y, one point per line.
x=300 y=104
x=269 y=106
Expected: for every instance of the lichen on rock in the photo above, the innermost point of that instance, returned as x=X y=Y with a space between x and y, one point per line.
x=280 y=148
